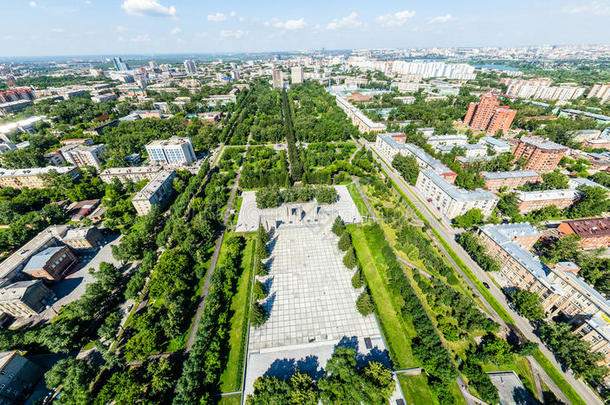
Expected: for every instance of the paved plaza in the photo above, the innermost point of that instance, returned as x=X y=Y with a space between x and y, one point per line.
x=250 y=216
x=311 y=298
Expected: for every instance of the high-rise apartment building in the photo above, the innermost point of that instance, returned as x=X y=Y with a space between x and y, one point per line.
x=296 y=75
x=190 y=67
x=540 y=88
x=119 y=65
x=542 y=156
x=278 y=78
x=84 y=155
x=601 y=91
x=174 y=151
x=488 y=115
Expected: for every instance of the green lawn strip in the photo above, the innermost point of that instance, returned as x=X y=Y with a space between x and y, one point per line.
x=390 y=320
x=557 y=378
x=457 y=394
x=416 y=390
x=353 y=191
x=231 y=378
x=490 y=298
x=234 y=399
x=519 y=365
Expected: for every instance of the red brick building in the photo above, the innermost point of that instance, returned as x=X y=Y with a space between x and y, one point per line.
x=51 y=264
x=488 y=115
x=594 y=232
x=542 y=156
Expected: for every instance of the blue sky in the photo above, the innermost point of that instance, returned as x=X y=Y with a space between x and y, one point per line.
x=87 y=27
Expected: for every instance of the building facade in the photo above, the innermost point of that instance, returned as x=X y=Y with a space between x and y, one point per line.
x=601 y=91
x=488 y=115
x=364 y=123
x=542 y=156
x=296 y=74
x=51 y=263
x=24 y=298
x=173 y=151
x=33 y=177
x=535 y=200
x=18 y=375
x=508 y=181
x=84 y=155
x=278 y=78
x=84 y=238
x=156 y=192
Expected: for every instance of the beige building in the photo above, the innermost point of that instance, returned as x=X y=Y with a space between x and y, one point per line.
x=33 y=177
x=596 y=331
x=84 y=155
x=535 y=200
x=364 y=123
x=24 y=298
x=133 y=174
x=496 y=181
x=84 y=238
x=156 y=192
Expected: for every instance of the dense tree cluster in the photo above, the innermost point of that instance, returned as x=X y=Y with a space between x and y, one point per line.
x=344 y=381
x=469 y=218
x=264 y=167
x=407 y=166
x=296 y=166
x=271 y=197
x=528 y=304
x=470 y=242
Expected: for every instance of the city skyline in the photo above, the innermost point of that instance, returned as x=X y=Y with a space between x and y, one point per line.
x=92 y=27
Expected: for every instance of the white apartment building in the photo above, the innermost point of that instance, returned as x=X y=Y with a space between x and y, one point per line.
x=498 y=145
x=450 y=200
x=470 y=150
x=173 y=151
x=296 y=74
x=32 y=177
x=84 y=155
x=437 y=141
x=541 y=89
x=364 y=123
x=156 y=192
x=600 y=90
x=133 y=174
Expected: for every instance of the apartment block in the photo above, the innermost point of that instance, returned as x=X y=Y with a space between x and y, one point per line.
x=133 y=174
x=594 y=232
x=535 y=200
x=437 y=141
x=542 y=156
x=84 y=155
x=488 y=115
x=278 y=78
x=470 y=150
x=498 y=145
x=540 y=88
x=33 y=177
x=601 y=91
x=450 y=200
x=508 y=181
x=390 y=144
x=296 y=74
x=156 y=192
x=24 y=298
x=364 y=123
x=17 y=375
x=173 y=151
x=596 y=331
x=84 y=238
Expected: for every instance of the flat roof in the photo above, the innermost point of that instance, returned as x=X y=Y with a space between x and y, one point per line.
x=543 y=143
x=458 y=194
x=590 y=227
x=509 y=175
x=545 y=195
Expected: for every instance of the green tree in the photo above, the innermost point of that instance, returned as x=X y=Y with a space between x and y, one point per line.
x=345 y=241
x=74 y=376
x=593 y=201
x=349 y=259
x=338 y=226
x=528 y=305
x=364 y=304
x=357 y=279
x=258 y=315
x=407 y=166
x=260 y=269
x=259 y=291
x=469 y=218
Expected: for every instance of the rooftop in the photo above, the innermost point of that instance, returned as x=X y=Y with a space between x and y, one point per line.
x=496 y=142
x=543 y=143
x=35 y=171
x=38 y=261
x=509 y=175
x=590 y=227
x=16 y=290
x=153 y=185
x=458 y=194
x=565 y=194
x=581 y=181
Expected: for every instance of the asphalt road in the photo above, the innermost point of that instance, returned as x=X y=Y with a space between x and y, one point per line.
x=520 y=323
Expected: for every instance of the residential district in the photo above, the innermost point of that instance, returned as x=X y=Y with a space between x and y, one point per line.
x=411 y=226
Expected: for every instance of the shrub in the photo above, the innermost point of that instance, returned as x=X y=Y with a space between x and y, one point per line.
x=258 y=315
x=326 y=195
x=364 y=304
x=259 y=291
x=345 y=241
x=338 y=226
x=357 y=279
x=260 y=269
x=261 y=251
x=268 y=197
x=349 y=259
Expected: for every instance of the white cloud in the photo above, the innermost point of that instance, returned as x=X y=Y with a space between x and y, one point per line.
x=8 y=37
x=120 y=28
x=288 y=24
x=237 y=34
x=594 y=7
x=351 y=21
x=148 y=7
x=218 y=17
x=32 y=4
x=440 y=19
x=396 y=19
x=175 y=31
x=232 y=14
x=58 y=30
x=141 y=38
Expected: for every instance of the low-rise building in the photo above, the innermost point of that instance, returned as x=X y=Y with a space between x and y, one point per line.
x=507 y=181
x=84 y=238
x=450 y=200
x=133 y=174
x=51 y=264
x=594 y=232
x=173 y=151
x=576 y=182
x=498 y=145
x=18 y=375
x=33 y=177
x=79 y=210
x=14 y=106
x=364 y=123
x=470 y=150
x=156 y=192
x=24 y=298
x=535 y=200
x=447 y=140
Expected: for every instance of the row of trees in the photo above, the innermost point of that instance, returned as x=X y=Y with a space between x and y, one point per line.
x=344 y=381
x=471 y=243
x=271 y=197
x=258 y=314
x=296 y=166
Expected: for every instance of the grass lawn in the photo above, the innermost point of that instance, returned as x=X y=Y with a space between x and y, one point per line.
x=558 y=379
x=234 y=399
x=395 y=329
x=231 y=378
x=519 y=365
x=416 y=391
x=353 y=191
